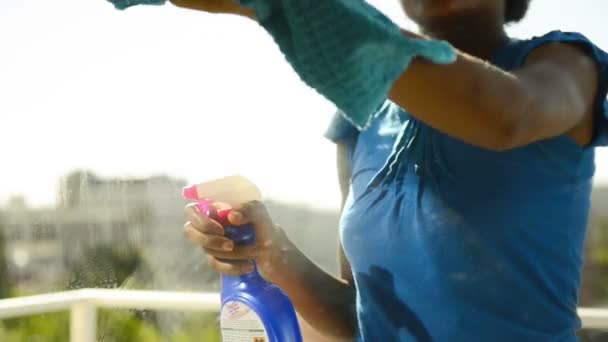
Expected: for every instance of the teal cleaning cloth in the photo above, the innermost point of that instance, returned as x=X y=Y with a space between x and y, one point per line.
x=345 y=49
x=124 y=4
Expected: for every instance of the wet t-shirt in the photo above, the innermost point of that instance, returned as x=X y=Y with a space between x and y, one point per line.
x=452 y=242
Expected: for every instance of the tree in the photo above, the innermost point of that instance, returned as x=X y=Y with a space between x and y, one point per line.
x=4 y=274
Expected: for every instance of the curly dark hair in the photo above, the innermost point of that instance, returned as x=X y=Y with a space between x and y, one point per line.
x=516 y=10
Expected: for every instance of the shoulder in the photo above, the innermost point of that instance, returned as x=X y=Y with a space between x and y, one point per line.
x=568 y=62
x=559 y=45
x=519 y=51
x=575 y=61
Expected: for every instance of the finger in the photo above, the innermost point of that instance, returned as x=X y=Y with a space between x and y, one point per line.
x=207 y=241
x=253 y=212
x=239 y=253
x=234 y=268
x=193 y=214
x=209 y=227
x=203 y=223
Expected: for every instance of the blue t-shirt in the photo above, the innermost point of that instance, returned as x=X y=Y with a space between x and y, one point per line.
x=451 y=242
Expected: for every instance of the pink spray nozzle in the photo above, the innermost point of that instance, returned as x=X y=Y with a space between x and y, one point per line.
x=222 y=216
x=218 y=211
x=203 y=204
x=190 y=193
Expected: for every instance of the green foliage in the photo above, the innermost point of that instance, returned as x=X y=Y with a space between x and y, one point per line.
x=121 y=326
x=4 y=275
x=198 y=328
x=113 y=326
x=40 y=328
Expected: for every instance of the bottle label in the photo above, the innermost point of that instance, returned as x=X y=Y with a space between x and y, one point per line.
x=240 y=323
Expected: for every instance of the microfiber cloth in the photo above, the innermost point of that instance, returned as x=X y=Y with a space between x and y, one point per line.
x=124 y=4
x=345 y=49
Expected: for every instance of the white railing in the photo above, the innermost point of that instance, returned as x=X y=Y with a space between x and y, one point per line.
x=83 y=305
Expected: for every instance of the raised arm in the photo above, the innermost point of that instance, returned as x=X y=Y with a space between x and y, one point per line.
x=483 y=105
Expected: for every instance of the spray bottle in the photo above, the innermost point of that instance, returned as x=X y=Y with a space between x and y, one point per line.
x=253 y=309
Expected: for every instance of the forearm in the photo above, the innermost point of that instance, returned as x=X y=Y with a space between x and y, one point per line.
x=325 y=302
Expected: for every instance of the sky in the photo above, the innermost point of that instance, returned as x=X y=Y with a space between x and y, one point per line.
x=162 y=90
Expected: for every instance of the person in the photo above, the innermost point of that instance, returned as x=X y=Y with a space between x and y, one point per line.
x=466 y=200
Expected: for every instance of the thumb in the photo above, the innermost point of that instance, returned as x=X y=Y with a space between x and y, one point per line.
x=255 y=213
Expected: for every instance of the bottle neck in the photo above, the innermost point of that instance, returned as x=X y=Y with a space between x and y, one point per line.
x=242 y=236
x=252 y=278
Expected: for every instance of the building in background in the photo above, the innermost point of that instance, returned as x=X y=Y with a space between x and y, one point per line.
x=90 y=211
